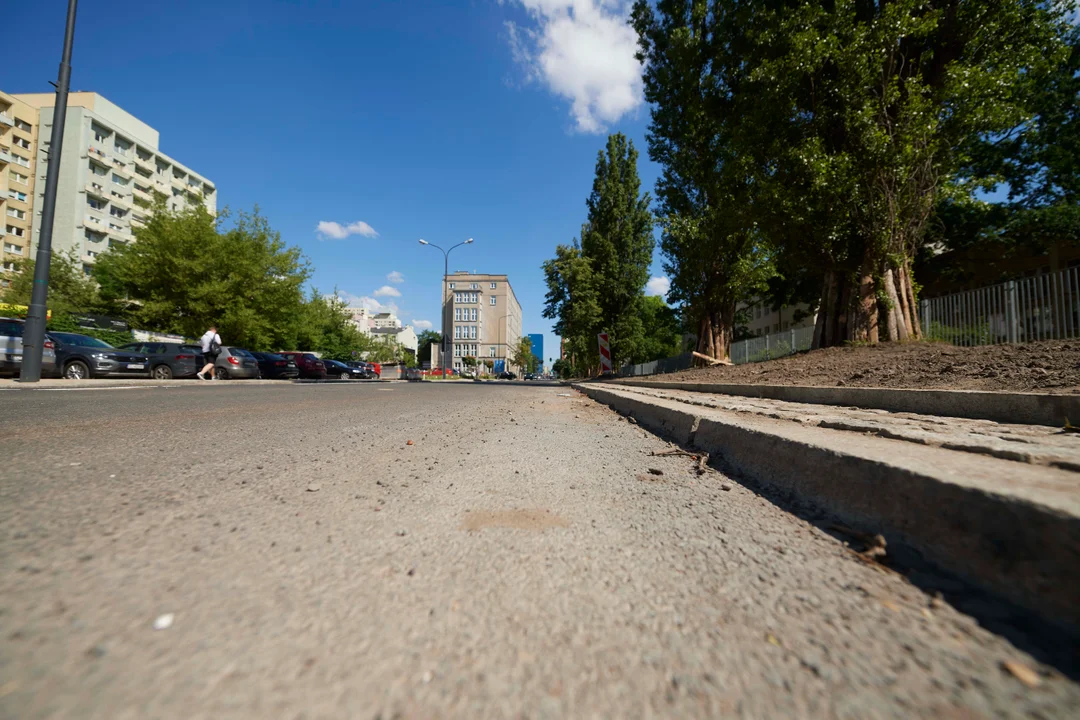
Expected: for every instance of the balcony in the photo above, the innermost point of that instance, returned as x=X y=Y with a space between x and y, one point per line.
x=123 y=201
x=3 y=230
x=145 y=163
x=122 y=167
x=94 y=223
x=97 y=190
x=6 y=119
x=89 y=259
x=5 y=156
x=97 y=152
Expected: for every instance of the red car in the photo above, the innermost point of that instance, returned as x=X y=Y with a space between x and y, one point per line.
x=308 y=365
x=377 y=367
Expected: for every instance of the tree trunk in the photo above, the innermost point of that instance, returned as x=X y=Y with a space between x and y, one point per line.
x=908 y=293
x=864 y=327
x=895 y=323
x=823 y=313
x=832 y=323
x=714 y=332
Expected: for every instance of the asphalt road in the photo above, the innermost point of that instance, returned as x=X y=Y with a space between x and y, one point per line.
x=517 y=559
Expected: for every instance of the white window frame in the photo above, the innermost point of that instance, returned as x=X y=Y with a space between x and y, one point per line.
x=16 y=213
x=451 y=285
x=457 y=314
x=20 y=160
x=8 y=266
x=492 y=351
x=13 y=248
x=492 y=299
x=15 y=177
x=494 y=285
x=474 y=286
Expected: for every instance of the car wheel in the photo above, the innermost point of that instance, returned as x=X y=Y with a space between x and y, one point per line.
x=345 y=376
x=77 y=370
x=258 y=375
x=163 y=372
x=222 y=373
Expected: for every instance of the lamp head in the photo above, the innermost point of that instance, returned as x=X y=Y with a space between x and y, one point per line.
x=424 y=242
x=468 y=241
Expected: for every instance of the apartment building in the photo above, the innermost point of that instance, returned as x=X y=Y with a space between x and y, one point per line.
x=386 y=321
x=110 y=169
x=18 y=150
x=762 y=319
x=483 y=317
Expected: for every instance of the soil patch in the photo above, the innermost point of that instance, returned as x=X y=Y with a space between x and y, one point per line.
x=512 y=519
x=1052 y=366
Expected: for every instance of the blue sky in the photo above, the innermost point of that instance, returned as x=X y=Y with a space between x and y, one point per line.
x=385 y=121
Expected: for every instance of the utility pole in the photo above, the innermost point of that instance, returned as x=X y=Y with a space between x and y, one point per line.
x=34 y=330
x=444 y=345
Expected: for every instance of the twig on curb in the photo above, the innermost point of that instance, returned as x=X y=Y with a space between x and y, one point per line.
x=702 y=460
x=673 y=452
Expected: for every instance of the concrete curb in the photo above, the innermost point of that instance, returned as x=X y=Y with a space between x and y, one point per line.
x=1010 y=528
x=1006 y=407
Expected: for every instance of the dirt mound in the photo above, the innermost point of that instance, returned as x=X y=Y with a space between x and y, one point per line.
x=1052 y=366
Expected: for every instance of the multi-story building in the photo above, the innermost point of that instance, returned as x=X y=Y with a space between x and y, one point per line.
x=18 y=150
x=386 y=321
x=763 y=320
x=110 y=169
x=361 y=319
x=403 y=337
x=483 y=318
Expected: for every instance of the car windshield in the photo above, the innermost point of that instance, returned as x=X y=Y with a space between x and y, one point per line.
x=309 y=356
x=239 y=352
x=81 y=340
x=332 y=363
x=272 y=356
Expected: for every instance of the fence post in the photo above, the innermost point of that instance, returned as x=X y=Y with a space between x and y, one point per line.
x=792 y=342
x=1011 y=316
x=924 y=317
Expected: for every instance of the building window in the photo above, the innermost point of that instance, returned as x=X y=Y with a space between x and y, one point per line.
x=491 y=351
x=475 y=286
x=21 y=142
x=451 y=286
x=13 y=249
x=19 y=178
x=457 y=350
x=457 y=314
x=472 y=331
x=15 y=213
x=494 y=285
x=16 y=195
x=117 y=212
x=457 y=332
x=119 y=180
x=22 y=125
x=16 y=231
x=9 y=266
x=96 y=204
x=20 y=160
x=492 y=299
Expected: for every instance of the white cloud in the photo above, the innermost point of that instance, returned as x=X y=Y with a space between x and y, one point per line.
x=658 y=286
x=337 y=231
x=387 y=291
x=583 y=50
x=422 y=325
x=395 y=277
x=369 y=303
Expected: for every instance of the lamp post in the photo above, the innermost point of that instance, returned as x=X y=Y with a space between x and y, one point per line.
x=444 y=345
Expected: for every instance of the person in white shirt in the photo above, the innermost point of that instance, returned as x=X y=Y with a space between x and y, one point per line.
x=211 y=346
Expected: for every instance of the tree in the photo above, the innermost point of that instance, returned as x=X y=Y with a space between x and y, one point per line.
x=617 y=240
x=70 y=289
x=184 y=273
x=713 y=252
x=662 y=335
x=469 y=361
x=521 y=355
x=427 y=336
x=571 y=301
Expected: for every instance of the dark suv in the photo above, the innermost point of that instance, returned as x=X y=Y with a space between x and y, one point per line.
x=169 y=359
x=79 y=357
x=308 y=365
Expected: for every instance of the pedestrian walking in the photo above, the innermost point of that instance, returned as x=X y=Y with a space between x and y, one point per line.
x=211 y=346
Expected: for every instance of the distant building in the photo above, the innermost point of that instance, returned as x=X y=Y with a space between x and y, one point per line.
x=537 y=340
x=484 y=315
x=404 y=336
x=763 y=320
x=361 y=319
x=18 y=173
x=386 y=320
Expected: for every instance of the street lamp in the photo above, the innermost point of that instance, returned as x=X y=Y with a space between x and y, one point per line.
x=443 y=346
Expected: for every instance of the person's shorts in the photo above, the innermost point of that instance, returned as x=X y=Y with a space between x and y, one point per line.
x=211 y=358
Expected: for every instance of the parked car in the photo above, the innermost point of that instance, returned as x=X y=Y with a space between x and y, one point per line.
x=507 y=375
x=340 y=370
x=275 y=367
x=529 y=376
x=309 y=365
x=369 y=372
x=11 y=349
x=168 y=359
x=234 y=362
x=80 y=357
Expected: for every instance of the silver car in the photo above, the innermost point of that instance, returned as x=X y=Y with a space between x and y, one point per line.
x=236 y=363
x=11 y=349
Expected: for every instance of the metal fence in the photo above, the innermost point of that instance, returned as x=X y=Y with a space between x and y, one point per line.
x=1043 y=307
x=664 y=365
x=774 y=345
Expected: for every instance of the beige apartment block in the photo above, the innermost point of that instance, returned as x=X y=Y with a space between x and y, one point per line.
x=483 y=317
x=18 y=150
x=763 y=320
x=110 y=169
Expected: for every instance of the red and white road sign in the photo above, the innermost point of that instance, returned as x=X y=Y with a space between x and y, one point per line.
x=605 y=353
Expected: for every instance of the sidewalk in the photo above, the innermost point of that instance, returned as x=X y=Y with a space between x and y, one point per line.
x=135 y=383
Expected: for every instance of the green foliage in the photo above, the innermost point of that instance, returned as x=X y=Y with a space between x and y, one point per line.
x=521 y=355
x=662 y=330
x=70 y=289
x=597 y=283
x=469 y=361
x=818 y=137
x=427 y=336
x=563 y=369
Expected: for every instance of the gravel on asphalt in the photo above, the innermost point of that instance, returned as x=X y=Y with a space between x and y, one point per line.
x=163 y=555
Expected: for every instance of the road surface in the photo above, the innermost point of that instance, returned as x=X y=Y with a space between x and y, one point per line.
x=440 y=550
